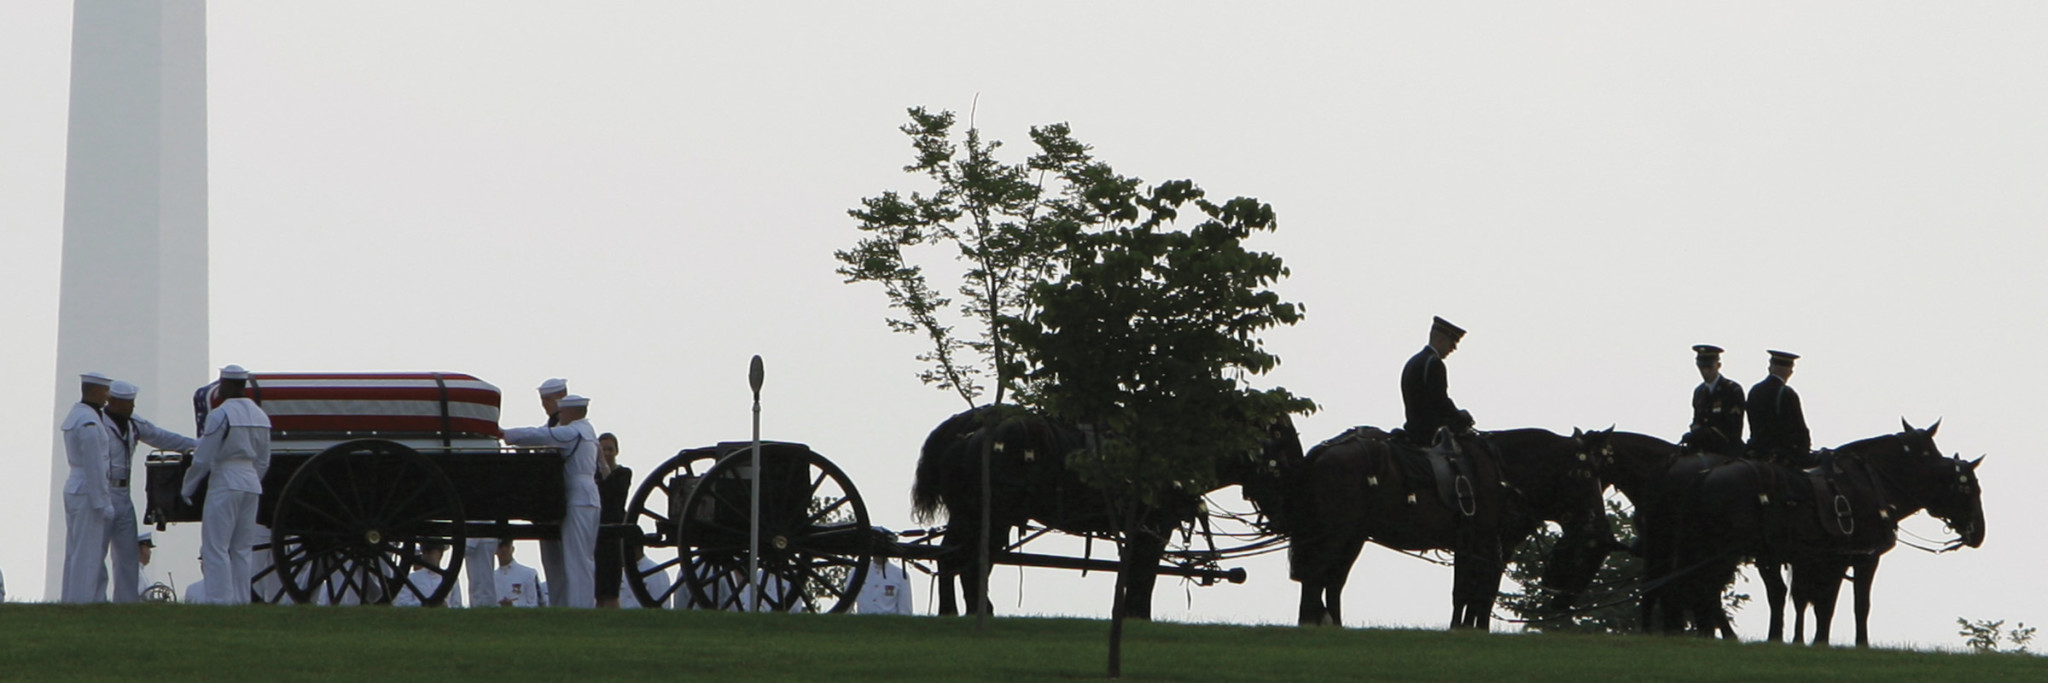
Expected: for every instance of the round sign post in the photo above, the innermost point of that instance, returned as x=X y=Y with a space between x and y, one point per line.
x=754 y=374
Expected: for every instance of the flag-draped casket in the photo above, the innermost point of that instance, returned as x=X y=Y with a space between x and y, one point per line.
x=404 y=406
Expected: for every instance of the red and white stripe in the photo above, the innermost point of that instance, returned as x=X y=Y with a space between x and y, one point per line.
x=403 y=402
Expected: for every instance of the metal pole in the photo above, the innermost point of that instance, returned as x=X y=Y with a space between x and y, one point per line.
x=754 y=375
x=987 y=501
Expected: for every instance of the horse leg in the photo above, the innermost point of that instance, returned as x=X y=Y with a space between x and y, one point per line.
x=1140 y=572
x=1307 y=561
x=1866 y=574
x=950 y=571
x=1773 y=575
x=1827 y=590
x=1805 y=575
x=1339 y=574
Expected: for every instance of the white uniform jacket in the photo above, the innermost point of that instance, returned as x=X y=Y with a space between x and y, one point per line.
x=657 y=584
x=233 y=450
x=578 y=443
x=520 y=584
x=121 y=461
x=85 y=450
x=886 y=591
x=427 y=581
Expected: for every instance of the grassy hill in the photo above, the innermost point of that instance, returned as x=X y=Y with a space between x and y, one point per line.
x=169 y=642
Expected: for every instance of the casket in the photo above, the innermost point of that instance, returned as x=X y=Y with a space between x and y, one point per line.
x=404 y=406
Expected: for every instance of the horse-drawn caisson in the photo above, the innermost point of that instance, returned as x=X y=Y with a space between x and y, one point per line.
x=369 y=469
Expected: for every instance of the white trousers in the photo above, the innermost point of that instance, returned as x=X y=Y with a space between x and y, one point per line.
x=477 y=564
x=571 y=563
x=227 y=531
x=122 y=550
x=85 y=551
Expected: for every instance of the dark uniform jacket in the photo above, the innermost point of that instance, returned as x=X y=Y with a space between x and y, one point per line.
x=1716 y=416
x=1777 y=426
x=1425 y=393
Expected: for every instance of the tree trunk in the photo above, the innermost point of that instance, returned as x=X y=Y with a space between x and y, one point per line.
x=1116 y=629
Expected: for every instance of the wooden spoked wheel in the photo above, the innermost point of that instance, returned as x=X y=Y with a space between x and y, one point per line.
x=655 y=507
x=815 y=537
x=352 y=524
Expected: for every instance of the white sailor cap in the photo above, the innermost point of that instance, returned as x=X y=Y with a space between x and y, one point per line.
x=95 y=379
x=147 y=538
x=123 y=390
x=574 y=401
x=234 y=372
x=554 y=385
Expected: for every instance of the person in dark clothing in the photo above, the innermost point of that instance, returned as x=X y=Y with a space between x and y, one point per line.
x=1425 y=389
x=1777 y=425
x=1717 y=407
x=614 y=485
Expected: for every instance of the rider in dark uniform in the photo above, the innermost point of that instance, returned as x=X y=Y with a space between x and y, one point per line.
x=1425 y=390
x=1716 y=407
x=1777 y=425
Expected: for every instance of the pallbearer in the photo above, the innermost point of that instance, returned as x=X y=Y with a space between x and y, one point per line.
x=233 y=454
x=126 y=431
x=571 y=563
x=1716 y=407
x=88 y=501
x=1425 y=389
x=1777 y=425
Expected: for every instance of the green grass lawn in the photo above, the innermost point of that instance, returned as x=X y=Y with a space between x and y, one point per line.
x=171 y=642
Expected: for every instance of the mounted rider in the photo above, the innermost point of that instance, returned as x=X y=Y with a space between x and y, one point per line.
x=1717 y=408
x=1777 y=425
x=1425 y=389
x=1435 y=422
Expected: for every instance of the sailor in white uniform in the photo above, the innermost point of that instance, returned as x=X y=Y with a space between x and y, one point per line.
x=233 y=454
x=571 y=563
x=125 y=430
x=483 y=587
x=145 y=545
x=886 y=589
x=657 y=581
x=425 y=580
x=518 y=584
x=88 y=499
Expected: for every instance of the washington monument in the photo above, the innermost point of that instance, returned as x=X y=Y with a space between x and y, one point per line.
x=133 y=303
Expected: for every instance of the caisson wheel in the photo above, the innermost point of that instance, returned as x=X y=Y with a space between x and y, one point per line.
x=815 y=534
x=352 y=526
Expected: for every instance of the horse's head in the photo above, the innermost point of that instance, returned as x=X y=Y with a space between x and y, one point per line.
x=1598 y=447
x=1947 y=487
x=1262 y=473
x=1960 y=502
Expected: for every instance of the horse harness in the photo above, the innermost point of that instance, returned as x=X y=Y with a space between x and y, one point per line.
x=1450 y=468
x=1453 y=471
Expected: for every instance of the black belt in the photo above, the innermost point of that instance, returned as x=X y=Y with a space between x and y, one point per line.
x=118 y=483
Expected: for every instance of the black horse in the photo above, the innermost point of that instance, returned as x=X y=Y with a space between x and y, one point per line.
x=1363 y=486
x=1876 y=486
x=1719 y=511
x=1029 y=481
x=1636 y=465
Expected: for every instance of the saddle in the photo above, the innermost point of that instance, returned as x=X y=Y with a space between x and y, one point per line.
x=1443 y=462
x=1837 y=515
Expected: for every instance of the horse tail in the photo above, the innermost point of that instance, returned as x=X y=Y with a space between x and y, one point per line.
x=927 y=490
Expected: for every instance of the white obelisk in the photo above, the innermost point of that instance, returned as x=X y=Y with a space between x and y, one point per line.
x=133 y=298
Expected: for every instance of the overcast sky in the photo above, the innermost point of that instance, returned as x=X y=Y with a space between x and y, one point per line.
x=640 y=196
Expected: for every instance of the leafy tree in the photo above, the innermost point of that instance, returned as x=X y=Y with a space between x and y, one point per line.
x=982 y=209
x=1089 y=304
x=1611 y=604
x=1148 y=334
